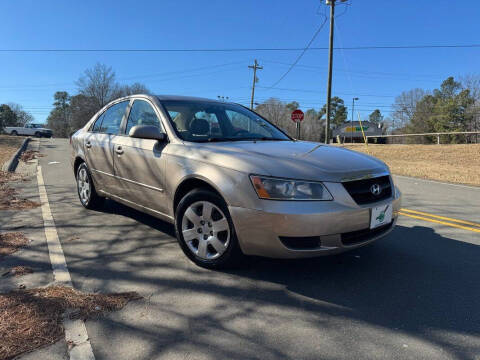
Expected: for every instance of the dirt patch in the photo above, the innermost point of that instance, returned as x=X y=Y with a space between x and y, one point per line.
x=30 y=155
x=11 y=242
x=33 y=318
x=8 y=195
x=18 y=271
x=8 y=146
x=449 y=163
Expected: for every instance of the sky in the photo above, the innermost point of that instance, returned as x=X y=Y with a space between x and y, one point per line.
x=375 y=76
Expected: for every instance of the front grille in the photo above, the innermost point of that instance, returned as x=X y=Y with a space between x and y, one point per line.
x=301 y=243
x=356 y=237
x=360 y=190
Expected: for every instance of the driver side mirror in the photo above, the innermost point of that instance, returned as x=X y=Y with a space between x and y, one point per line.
x=147 y=132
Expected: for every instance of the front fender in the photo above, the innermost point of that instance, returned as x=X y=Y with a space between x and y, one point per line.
x=234 y=186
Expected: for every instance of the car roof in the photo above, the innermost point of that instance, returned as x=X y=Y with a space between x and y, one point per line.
x=182 y=98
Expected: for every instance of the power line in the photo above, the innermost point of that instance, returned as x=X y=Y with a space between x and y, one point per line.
x=302 y=53
x=316 y=92
x=367 y=47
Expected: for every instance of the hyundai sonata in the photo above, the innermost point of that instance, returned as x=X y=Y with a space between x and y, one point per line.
x=231 y=182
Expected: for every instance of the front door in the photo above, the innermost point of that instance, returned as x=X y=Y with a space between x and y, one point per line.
x=139 y=164
x=99 y=146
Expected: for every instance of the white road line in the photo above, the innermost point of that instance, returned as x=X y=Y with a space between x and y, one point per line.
x=437 y=182
x=79 y=347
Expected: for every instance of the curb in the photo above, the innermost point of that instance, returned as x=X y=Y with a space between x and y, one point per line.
x=11 y=164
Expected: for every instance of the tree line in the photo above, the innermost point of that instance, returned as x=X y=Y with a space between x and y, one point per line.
x=313 y=125
x=96 y=88
x=453 y=107
x=13 y=114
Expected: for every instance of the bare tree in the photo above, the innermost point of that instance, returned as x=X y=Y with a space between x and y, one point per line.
x=98 y=83
x=472 y=83
x=405 y=107
x=23 y=117
x=274 y=110
x=312 y=127
x=134 y=89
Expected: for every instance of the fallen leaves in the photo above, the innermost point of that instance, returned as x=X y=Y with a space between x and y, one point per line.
x=18 y=271
x=30 y=155
x=33 y=318
x=11 y=242
x=8 y=195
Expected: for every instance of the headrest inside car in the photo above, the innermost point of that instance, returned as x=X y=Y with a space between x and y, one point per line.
x=199 y=127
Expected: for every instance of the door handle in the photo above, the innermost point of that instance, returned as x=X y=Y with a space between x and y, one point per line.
x=119 y=150
x=88 y=144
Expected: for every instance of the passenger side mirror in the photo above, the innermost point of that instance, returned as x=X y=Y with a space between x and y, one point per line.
x=147 y=132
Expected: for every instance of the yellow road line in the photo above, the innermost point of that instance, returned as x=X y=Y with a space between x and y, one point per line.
x=440 y=222
x=441 y=217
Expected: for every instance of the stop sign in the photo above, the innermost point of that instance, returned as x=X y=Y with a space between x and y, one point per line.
x=297 y=115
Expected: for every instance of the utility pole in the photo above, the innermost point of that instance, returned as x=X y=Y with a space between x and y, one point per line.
x=255 y=67
x=330 y=65
x=351 y=122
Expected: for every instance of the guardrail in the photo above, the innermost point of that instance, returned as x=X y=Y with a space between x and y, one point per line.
x=437 y=134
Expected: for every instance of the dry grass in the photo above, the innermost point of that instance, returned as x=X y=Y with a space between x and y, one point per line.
x=8 y=195
x=8 y=146
x=449 y=163
x=11 y=242
x=33 y=318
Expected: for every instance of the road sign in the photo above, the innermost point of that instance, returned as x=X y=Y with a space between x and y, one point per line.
x=297 y=116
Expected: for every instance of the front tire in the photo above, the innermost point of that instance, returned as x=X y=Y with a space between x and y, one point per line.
x=205 y=230
x=86 y=189
x=38 y=135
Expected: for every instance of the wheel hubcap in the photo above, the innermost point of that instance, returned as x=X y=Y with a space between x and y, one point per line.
x=84 y=188
x=205 y=230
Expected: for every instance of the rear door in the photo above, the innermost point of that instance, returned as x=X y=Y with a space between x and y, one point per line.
x=140 y=163
x=99 y=145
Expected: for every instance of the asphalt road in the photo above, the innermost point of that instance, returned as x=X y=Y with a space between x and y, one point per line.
x=412 y=295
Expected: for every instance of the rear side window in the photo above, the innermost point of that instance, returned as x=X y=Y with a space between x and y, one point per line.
x=112 y=118
x=142 y=113
x=98 y=124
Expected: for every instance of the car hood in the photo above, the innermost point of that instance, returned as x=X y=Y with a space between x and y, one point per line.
x=289 y=159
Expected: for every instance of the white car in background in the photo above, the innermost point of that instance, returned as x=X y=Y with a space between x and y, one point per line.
x=29 y=130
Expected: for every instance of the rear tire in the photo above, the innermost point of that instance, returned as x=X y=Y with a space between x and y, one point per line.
x=38 y=134
x=14 y=133
x=205 y=230
x=86 y=189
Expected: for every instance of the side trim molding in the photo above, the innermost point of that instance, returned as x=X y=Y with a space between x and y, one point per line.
x=130 y=181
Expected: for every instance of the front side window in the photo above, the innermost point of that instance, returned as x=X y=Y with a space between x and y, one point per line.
x=202 y=121
x=112 y=118
x=142 y=113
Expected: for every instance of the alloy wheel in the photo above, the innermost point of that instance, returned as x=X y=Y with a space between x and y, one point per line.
x=205 y=230
x=84 y=187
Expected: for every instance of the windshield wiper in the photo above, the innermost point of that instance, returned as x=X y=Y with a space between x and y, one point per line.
x=265 y=139
x=216 y=139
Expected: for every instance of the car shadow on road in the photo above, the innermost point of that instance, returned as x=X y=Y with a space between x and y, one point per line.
x=415 y=281
x=114 y=207
x=415 y=284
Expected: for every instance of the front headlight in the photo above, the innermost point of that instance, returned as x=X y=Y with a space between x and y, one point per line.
x=287 y=189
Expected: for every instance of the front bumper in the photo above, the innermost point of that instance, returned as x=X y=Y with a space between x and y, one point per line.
x=260 y=231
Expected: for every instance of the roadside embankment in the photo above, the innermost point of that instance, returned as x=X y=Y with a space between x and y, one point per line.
x=450 y=163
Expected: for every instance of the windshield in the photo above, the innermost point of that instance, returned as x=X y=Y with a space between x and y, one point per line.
x=204 y=121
